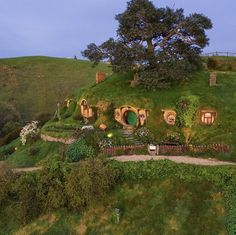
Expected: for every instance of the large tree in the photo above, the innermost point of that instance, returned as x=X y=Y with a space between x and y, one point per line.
x=161 y=44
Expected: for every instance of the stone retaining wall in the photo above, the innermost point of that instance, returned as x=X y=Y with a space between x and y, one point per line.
x=48 y=138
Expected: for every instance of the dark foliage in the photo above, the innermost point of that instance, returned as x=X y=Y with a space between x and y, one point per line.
x=10 y=119
x=79 y=150
x=42 y=118
x=212 y=63
x=90 y=181
x=8 y=138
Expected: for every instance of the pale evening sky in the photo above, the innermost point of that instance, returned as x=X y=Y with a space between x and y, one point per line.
x=62 y=28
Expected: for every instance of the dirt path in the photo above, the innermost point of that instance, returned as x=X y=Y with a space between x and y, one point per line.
x=23 y=169
x=27 y=169
x=177 y=159
x=138 y=158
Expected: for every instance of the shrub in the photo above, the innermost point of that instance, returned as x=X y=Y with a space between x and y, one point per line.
x=33 y=150
x=90 y=181
x=105 y=143
x=93 y=138
x=186 y=108
x=173 y=138
x=79 y=150
x=10 y=115
x=43 y=118
x=10 y=137
x=10 y=126
x=51 y=184
x=7 y=178
x=29 y=203
x=211 y=63
x=144 y=135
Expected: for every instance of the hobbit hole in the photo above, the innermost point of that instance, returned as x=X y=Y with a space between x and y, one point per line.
x=86 y=111
x=169 y=116
x=129 y=116
x=208 y=117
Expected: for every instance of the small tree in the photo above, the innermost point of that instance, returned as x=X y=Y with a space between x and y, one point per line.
x=29 y=203
x=10 y=118
x=161 y=44
x=91 y=180
x=51 y=184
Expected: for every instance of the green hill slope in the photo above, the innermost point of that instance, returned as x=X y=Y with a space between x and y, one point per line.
x=221 y=98
x=35 y=84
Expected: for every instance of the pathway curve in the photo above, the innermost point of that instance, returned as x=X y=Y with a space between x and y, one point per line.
x=23 y=169
x=177 y=159
x=138 y=158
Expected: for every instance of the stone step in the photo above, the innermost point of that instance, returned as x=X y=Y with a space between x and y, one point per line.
x=128 y=135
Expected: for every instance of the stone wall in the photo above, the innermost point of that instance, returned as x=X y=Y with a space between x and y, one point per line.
x=48 y=138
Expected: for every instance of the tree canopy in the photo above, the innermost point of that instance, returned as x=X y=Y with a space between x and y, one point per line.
x=160 y=44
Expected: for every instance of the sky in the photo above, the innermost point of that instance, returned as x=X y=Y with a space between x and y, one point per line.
x=63 y=28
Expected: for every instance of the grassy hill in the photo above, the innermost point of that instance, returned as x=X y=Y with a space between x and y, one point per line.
x=35 y=84
x=117 y=90
x=221 y=98
x=190 y=200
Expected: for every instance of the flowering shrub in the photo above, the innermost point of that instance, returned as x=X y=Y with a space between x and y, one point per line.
x=144 y=135
x=105 y=143
x=29 y=131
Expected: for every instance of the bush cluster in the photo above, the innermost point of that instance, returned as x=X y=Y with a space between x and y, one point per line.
x=79 y=150
x=144 y=135
x=56 y=186
x=212 y=63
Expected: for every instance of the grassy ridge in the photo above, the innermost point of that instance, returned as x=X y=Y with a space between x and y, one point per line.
x=35 y=84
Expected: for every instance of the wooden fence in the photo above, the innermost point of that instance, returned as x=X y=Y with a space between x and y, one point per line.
x=126 y=149
x=184 y=149
x=227 y=54
x=168 y=149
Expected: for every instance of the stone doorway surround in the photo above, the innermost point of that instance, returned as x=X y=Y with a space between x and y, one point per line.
x=121 y=115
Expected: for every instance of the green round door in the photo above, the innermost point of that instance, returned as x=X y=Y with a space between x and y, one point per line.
x=131 y=118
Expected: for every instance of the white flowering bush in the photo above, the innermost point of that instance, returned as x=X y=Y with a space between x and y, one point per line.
x=144 y=135
x=29 y=131
x=105 y=143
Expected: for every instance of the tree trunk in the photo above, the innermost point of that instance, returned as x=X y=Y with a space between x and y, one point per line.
x=151 y=53
x=150 y=46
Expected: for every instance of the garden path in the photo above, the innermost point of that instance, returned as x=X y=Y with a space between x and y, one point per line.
x=177 y=159
x=138 y=158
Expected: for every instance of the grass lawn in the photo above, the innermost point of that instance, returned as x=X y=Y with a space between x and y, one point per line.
x=35 y=84
x=30 y=155
x=167 y=206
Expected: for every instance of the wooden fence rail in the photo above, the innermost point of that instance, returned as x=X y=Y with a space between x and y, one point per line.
x=218 y=53
x=168 y=149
